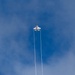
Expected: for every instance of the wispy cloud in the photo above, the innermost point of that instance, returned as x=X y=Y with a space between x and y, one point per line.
x=64 y=66
x=15 y=22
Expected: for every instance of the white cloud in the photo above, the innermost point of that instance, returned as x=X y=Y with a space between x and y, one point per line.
x=13 y=40
x=11 y=50
x=65 y=66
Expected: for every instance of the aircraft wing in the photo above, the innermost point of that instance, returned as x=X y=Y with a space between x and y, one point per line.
x=37 y=28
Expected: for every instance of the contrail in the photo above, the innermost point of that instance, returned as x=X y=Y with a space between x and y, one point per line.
x=37 y=28
x=41 y=53
x=35 y=54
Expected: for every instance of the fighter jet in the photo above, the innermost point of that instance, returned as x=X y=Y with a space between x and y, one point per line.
x=37 y=28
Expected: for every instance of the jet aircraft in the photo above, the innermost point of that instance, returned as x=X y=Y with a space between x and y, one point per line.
x=37 y=28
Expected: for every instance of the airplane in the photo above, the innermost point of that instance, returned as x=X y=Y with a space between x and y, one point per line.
x=37 y=28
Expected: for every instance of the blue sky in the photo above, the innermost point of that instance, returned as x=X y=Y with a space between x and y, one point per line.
x=17 y=19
